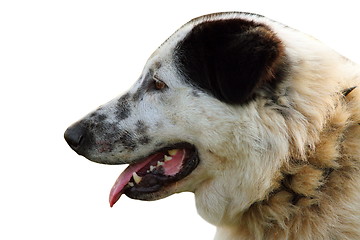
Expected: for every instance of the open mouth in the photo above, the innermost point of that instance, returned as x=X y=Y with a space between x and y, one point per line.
x=155 y=172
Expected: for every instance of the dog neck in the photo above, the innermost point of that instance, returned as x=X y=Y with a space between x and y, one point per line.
x=318 y=192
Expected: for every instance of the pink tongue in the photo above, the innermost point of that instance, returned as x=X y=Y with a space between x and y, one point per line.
x=170 y=168
x=124 y=178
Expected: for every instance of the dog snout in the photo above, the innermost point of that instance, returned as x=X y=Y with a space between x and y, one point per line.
x=76 y=136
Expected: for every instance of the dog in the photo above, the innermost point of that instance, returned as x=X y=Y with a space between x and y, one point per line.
x=260 y=121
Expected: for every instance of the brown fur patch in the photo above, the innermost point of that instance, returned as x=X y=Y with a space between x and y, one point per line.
x=311 y=194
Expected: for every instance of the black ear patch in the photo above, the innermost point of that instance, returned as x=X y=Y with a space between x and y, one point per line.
x=229 y=58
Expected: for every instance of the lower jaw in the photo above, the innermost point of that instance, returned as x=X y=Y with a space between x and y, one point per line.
x=158 y=193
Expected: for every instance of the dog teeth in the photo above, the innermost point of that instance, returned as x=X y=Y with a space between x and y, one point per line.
x=137 y=178
x=159 y=163
x=173 y=152
x=167 y=158
x=152 y=168
x=131 y=184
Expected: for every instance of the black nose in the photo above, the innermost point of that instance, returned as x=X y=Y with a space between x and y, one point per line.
x=75 y=136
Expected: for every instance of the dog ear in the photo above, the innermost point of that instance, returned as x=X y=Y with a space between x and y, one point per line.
x=229 y=58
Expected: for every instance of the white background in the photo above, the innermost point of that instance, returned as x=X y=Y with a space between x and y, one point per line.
x=61 y=59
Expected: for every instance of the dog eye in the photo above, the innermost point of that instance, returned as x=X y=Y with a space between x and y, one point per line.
x=159 y=85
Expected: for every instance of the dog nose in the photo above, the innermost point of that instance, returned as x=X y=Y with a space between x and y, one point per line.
x=75 y=136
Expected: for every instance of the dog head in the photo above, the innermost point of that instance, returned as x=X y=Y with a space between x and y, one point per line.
x=203 y=117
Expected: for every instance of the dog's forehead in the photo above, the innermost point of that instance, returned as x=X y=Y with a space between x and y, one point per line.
x=164 y=59
x=164 y=54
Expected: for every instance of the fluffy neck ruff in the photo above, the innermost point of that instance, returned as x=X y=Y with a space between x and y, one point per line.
x=316 y=196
